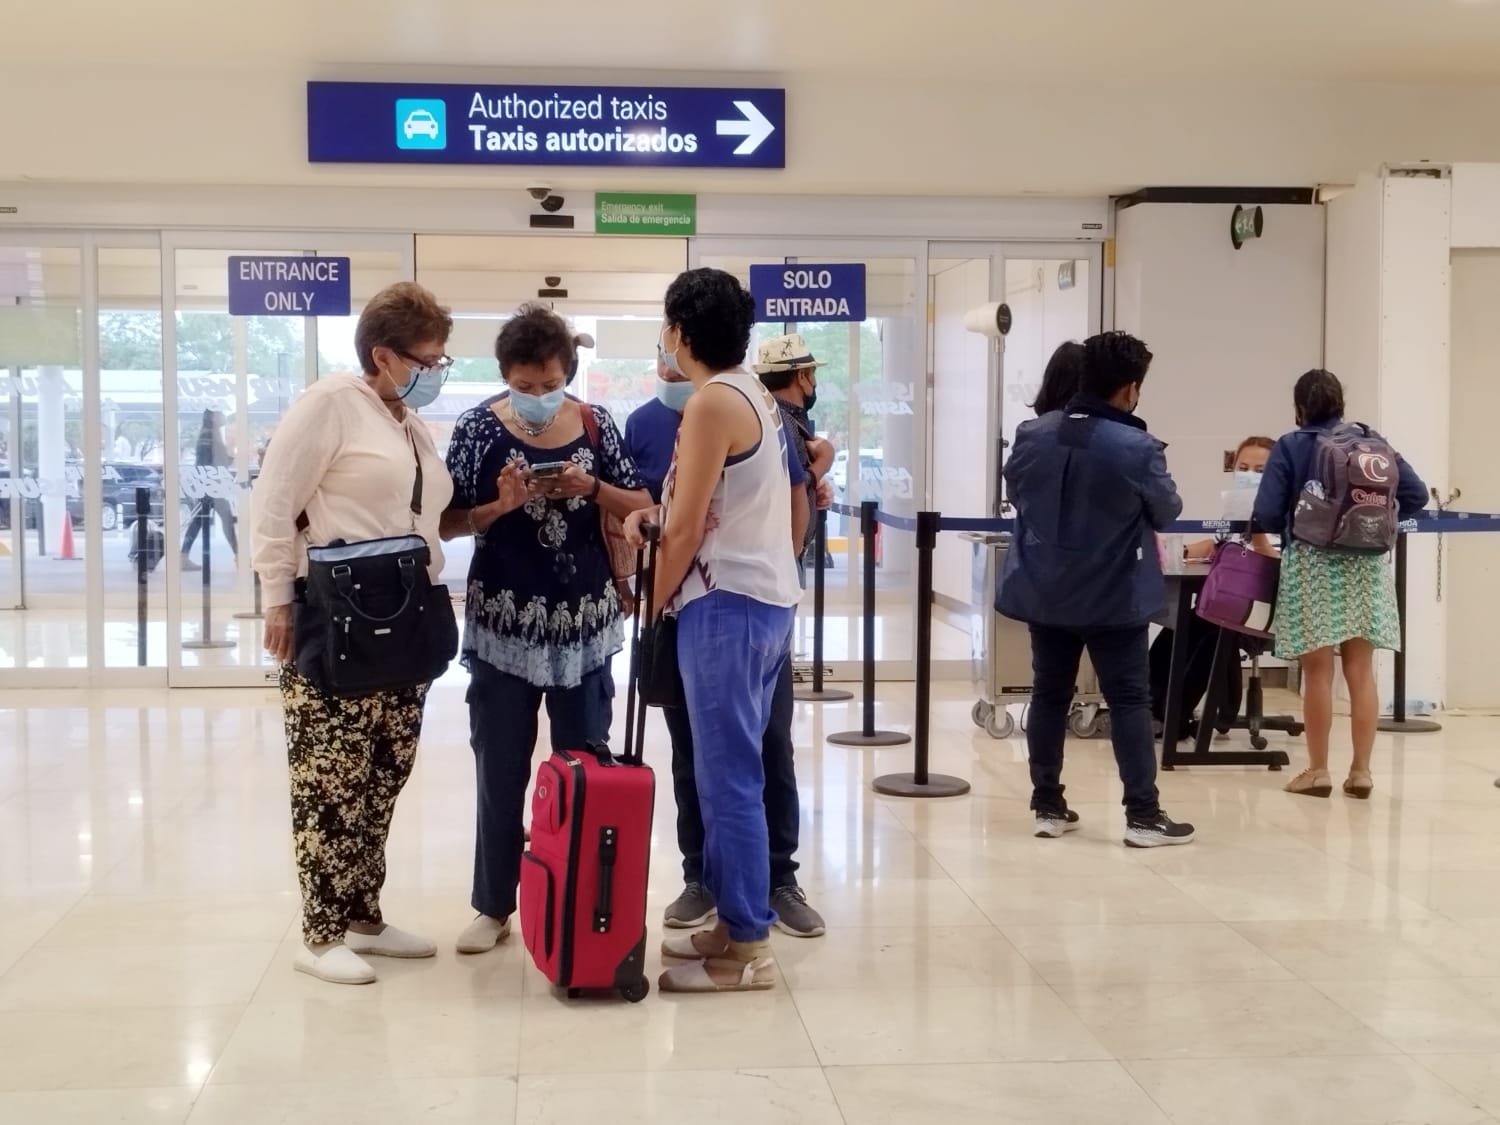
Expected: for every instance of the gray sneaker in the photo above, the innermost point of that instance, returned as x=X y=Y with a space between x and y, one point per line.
x=693 y=908
x=794 y=916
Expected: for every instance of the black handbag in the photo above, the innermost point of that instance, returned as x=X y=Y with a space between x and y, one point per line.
x=367 y=618
x=657 y=672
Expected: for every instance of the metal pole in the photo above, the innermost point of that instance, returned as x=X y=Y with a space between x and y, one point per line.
x=206 y=530
x=867 y=735
x=921 y=783
x=142 y=570
x=820 y=694
x=1398 y=722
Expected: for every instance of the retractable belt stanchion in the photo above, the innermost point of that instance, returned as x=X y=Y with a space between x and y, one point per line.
x=867 y=735
x=142 y=570
x=1398 y=722
x=206 y=633
x=818 y=693
x=921 y=783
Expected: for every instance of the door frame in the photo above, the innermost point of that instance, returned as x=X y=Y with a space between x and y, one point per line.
x=180 y=674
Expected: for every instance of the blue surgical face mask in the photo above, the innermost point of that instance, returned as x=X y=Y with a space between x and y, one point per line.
x=537 y=409
x=423 y=385
x=669 y=358
x=1247 y=478
x=674 y=396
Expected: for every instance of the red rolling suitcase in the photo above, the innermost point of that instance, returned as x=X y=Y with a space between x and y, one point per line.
x=583 y=879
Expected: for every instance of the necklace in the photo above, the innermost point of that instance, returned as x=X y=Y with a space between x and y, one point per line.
x=529 y=430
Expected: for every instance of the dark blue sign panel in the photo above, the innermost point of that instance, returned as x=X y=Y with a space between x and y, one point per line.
x=808 y=293
x=288 y=286
x=595 y=126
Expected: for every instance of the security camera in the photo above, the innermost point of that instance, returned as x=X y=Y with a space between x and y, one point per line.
x=552 y=203
x=539 y=192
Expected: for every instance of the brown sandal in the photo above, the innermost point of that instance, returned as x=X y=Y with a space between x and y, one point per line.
x=1311 y=783
x=1360 y=785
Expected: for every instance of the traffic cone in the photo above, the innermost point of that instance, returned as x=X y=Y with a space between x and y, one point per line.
x=65 y=549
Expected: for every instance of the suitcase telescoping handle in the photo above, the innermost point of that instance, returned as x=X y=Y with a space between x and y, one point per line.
x=645 y=596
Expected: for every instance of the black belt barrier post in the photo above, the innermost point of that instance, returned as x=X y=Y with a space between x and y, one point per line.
x=255 y=613
x=1398 y=722
x=818 y=693
x=920 y=783
x=205 y=640
x=142 y=570
x=867 y=735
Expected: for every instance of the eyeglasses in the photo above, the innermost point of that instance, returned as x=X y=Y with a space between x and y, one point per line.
x=442 y=363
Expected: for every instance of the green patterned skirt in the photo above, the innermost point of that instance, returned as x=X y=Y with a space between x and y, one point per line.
x=1327 y=598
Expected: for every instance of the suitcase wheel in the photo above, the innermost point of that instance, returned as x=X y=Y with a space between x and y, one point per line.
x=636 y=991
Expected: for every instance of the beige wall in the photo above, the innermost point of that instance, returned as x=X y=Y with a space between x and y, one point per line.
x=874 y=134
x=1473 y=561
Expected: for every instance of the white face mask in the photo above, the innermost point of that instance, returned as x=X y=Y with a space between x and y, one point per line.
x=1247 y=478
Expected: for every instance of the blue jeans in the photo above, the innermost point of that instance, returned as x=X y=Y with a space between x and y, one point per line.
x=732 y=649
x=783 y=805
x=1120 y=659
x=502 y=732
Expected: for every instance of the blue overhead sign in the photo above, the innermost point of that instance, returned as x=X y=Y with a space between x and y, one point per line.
x=288 y=286
x=808 y=294
x=595 y=126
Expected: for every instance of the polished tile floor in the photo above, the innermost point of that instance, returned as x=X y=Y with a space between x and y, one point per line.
x=1305 y=961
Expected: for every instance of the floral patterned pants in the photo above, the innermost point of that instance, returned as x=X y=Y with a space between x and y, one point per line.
x=349 y=759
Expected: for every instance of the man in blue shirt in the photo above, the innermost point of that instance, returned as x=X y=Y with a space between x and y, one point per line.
x=1091 y=489
x=650 y=435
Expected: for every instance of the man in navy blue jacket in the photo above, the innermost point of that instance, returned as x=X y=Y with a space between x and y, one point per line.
x=1091 y=488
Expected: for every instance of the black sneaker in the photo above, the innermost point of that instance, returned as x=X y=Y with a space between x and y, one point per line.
x=693 y=908
x=1158 y=831
x=794 y=916
x=1051 y=824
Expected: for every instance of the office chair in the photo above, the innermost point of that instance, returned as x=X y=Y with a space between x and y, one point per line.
x=1254 y=720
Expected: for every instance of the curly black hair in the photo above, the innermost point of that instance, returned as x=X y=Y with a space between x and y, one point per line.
x=1318 y=398
x=714 y=313
x=1061 y=380
x=1112 y=360
x=535 y=335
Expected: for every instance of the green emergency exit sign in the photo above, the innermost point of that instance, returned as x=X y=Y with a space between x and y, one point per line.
x=639 y=213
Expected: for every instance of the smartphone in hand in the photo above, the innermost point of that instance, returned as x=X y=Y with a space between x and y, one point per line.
x=549 y=468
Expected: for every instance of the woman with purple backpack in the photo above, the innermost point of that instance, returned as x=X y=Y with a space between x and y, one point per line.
x=1334 y=492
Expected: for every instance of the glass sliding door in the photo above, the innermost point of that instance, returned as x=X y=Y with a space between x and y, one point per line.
x=45 y=537
x=228 y=380
x=872 y=405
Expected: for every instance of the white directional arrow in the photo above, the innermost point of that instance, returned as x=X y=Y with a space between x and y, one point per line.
x=755 y=128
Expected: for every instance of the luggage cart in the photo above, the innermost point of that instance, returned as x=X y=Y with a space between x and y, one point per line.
x=1001 y=656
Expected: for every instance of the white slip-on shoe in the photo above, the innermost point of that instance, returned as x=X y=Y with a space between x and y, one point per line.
x=390 y=942
x=483 y=934
x=337 y=965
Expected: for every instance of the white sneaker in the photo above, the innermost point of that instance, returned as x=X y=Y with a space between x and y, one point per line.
x=337 y=965
x=483 y=934
x=390 y=942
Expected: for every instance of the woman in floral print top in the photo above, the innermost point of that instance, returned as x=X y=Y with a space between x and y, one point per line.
x=543 y=617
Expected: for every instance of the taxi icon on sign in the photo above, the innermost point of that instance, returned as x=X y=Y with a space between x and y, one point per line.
x=421 y=123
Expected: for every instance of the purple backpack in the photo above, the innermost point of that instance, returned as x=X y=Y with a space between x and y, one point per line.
x=1240 y=592
x=1348 y=502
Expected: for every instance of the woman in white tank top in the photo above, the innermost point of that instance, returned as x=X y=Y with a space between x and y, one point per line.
x=727 y=570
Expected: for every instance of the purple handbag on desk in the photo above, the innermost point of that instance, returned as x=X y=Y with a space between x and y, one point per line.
x=1240 y=592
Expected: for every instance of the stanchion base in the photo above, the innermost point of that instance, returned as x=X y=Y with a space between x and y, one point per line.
x=249 y=615
x=860 y=738
x=199 y=646
x=1408 y=726
x=906 y=785
x=827 y=695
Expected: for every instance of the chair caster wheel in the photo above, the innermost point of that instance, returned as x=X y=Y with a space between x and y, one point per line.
x=1258 y=742
x=1274 y=767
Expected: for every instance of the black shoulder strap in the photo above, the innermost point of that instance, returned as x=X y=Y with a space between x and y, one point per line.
x=416 y=489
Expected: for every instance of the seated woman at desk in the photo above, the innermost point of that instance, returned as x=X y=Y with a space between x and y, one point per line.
x=1249 y=462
